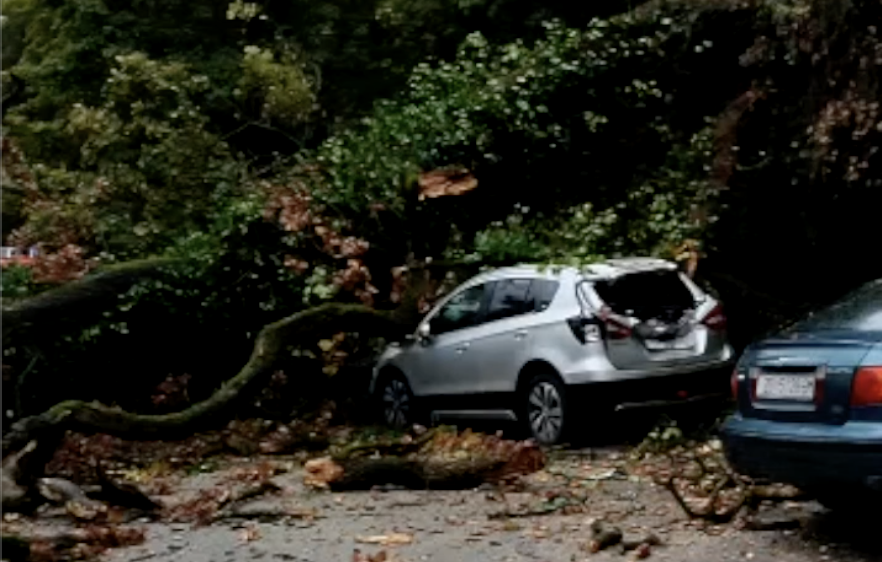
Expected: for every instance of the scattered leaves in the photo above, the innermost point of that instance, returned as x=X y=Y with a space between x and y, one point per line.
x=380 y=556
x=249 y=533
x=84 y=543
x=391 y=539
x=446 y=182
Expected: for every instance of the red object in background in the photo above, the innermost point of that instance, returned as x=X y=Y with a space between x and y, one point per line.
x=18 y=260
x=11 y=255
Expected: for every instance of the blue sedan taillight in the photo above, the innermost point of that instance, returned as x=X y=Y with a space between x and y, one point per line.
x=866 y=389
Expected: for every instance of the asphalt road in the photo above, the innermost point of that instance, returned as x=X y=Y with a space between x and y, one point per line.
x=458 y=526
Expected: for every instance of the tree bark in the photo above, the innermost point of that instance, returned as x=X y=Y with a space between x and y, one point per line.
x=439 y=459
x=271 y=342
x=417 y=473
x=84 y=296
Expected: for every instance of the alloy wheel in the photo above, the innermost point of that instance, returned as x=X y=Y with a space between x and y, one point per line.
x=545 y=412
x=397 y=403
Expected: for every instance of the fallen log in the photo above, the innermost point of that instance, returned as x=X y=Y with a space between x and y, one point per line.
x=15 y=495
x=441 y=459
x=72 y=497
x=271 y=342
x=84 y=296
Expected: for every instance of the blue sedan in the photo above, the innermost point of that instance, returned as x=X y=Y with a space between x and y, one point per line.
x=810 y=404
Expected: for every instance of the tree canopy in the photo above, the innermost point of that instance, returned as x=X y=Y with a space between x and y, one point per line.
x=291 y=154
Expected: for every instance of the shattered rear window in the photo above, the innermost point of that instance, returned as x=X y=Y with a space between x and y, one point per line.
x=643 y=291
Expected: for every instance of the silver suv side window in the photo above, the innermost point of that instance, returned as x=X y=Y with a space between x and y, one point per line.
x=461 y=311
x=509 y=299
x=541 y=294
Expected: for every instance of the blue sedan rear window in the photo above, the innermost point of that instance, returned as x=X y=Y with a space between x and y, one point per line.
x=860 y=310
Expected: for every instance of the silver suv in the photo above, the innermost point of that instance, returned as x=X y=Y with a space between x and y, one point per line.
x=545 y=345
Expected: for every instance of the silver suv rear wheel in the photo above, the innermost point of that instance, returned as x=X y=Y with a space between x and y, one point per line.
x=546 y=409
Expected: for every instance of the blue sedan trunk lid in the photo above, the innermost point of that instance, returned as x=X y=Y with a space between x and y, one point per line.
x=802 y=377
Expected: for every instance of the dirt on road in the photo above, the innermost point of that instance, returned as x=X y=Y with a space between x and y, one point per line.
x=304 y=525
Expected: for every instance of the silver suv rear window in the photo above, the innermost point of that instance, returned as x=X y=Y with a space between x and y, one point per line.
x=643 y=293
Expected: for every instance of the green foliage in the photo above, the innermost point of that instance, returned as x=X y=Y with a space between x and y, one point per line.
x=282 y=87
x=655 y=217
x=146 y=170
x=158 y=127
x=16 y=281
x=543 y=127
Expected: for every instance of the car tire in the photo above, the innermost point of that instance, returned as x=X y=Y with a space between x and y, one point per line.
x=397 y=402
x=545 y=410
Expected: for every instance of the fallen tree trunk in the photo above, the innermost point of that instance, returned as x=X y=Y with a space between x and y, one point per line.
x=440 y=459
x=419 y=473
x=82 y=297
x=15 y=495
x=270 y=343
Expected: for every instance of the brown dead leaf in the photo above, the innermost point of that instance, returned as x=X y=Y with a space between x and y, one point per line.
x=381 y=556
x=320 y=473
x=511 y=525
x=250 y=533
x=446 y=182
x=390 y=539
x=259 y=472
x=86 y=510
x=86 y=542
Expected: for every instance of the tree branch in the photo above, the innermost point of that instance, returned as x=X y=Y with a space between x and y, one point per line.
x=270 y=344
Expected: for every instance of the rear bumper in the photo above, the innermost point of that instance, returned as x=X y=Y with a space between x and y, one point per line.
x=603 y=372
x=656 y=391
x=810 y=456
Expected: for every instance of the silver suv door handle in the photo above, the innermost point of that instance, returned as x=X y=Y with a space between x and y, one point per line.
x=461 y=348
x=520 y=334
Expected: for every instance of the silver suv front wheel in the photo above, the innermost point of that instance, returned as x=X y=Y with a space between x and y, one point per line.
x=546 y=411
x=397 y=401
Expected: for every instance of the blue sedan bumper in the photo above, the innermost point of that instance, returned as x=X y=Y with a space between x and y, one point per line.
x=809 y=456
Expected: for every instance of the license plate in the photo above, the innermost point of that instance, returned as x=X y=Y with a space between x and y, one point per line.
x=785 y=387
x=681 y=344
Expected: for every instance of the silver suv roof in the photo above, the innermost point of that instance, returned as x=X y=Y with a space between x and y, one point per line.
x=606 y=269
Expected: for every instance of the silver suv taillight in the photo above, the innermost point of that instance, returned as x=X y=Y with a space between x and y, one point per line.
x=615 y=328
x=586 y=330
x=715 y=319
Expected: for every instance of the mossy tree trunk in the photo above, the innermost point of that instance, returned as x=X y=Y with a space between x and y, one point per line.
x=272 y=341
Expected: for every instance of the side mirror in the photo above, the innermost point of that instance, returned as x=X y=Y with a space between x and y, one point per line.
x=424 y=332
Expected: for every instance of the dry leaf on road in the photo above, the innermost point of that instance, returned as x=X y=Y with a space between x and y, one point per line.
x=391 y=539
x=381 y=556
x=249 y=534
